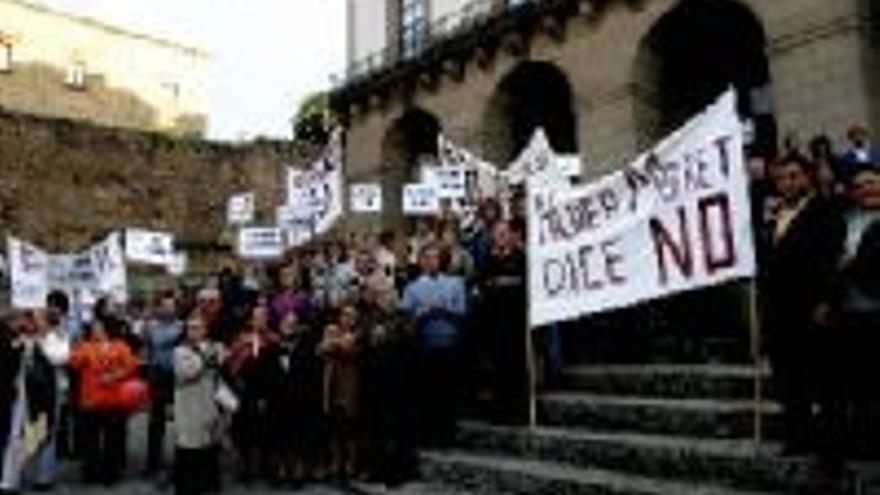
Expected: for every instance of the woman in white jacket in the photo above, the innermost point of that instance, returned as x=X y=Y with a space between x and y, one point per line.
x=198 y=419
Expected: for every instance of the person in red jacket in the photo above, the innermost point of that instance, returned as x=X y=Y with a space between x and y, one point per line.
x=103 y=364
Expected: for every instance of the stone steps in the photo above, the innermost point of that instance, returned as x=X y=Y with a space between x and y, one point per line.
x=667 y=381
x=707 y=418
x=413 y=488
x=732 y=463
x=657 y=429
x=501 y=474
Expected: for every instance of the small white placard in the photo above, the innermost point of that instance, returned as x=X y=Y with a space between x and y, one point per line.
x=420 y=199
x=366 y=198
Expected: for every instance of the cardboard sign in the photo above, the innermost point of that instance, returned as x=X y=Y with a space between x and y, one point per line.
x=677 y=218
x=420 y=199
x=261 y=243
x=108 y=263
x=240 y=209
x=366 y=198
x=152 y=248
x=177 y=265
x=450 y=182
x=482 y=178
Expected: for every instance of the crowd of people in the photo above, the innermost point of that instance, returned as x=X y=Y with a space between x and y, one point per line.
x=347 y=356
x=336 y=364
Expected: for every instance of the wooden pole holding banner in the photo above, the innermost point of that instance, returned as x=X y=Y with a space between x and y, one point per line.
x=532 y=367
x=755 y=335
x=531 y=358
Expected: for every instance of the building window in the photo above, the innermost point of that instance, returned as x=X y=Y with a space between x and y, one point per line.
x=173 y=89
x=412 y=27
x=76 y=75
x=5 y=57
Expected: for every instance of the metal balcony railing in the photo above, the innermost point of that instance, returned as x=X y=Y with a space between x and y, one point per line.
x=426 y=36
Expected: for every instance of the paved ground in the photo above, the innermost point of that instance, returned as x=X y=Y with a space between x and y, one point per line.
x=136 y=484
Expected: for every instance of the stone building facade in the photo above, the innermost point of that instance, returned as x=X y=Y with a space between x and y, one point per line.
x=61 y=65
x=603 y=77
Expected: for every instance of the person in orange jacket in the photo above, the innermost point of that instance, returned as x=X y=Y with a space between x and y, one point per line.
x=103 y=364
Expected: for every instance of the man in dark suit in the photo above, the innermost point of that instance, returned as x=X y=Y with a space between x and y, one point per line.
x=805 y=241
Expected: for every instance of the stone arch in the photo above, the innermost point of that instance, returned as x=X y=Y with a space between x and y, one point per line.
x=694 y=52
x=409 y=141
x=533 y=94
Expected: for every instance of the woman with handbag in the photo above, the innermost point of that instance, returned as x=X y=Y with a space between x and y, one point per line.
x=197 y=413
x=106 y=366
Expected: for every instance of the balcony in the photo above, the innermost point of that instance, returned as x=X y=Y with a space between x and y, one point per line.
x=479 y=24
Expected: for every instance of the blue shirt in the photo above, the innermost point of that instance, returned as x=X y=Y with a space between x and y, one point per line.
x=161 y=338
x=438 y=303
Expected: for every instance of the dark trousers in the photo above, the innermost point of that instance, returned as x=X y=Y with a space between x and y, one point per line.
x=793 y=349
x=250 y=438
x=196 y=471
x=162 y=396
x=509 y=373
x=391 y=452
x=791 y=376
x=439 y=393
x=104 y=455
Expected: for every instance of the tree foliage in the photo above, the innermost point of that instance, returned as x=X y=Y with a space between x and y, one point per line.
x=311 y=123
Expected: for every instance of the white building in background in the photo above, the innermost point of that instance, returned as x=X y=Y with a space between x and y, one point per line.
x=58 y=64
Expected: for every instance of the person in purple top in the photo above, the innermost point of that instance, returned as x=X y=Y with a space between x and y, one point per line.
x=291 y=298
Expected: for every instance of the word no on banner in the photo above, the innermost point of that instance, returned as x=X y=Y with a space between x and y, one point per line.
x=676 y=219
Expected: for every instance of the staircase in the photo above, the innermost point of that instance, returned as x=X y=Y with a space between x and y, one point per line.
x=633 y=430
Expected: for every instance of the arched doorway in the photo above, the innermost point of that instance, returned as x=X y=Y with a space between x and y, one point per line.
x=409 y=142
x=696 y=51
x=534 y=94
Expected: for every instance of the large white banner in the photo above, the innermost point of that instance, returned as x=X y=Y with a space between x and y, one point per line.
x=29 y=273
x=676 y=219
x=83 y=276
x=318 y=190
x=144 y=246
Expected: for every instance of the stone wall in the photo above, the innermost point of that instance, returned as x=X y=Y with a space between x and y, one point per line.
x=64 y=184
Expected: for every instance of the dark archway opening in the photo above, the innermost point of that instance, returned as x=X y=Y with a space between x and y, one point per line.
x=533 y=95
x=409 y=143
x=694 y=53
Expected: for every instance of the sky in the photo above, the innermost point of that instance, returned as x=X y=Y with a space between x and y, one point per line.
x=267 y=55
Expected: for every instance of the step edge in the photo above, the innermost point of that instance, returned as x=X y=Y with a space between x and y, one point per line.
x=579 y=475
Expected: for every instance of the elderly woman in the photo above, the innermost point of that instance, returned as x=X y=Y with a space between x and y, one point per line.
x=197 y=417
x=340 y=348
